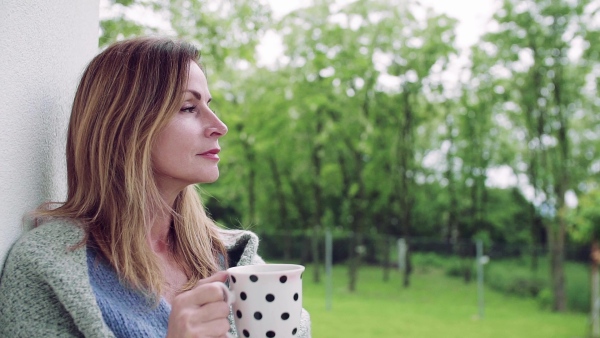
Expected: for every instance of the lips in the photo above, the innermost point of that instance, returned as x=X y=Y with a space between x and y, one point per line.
x=212 y=154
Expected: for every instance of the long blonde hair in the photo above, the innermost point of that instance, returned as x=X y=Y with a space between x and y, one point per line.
x=126 y=95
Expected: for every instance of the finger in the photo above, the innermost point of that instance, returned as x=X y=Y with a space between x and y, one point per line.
x=199 y=296
x=212 y=311
x=228 y=296
x=220 y=276
x=207 y=290
x=215 y=328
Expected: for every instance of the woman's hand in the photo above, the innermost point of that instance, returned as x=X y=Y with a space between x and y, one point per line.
x=202 y=311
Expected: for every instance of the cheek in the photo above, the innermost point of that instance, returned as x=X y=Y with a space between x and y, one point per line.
x=168 y=140
x=163 y=150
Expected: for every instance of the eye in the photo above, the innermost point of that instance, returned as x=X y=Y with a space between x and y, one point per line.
x=189 y=109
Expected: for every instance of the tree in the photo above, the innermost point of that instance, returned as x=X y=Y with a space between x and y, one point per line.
x=584 y=227
x=531 y=45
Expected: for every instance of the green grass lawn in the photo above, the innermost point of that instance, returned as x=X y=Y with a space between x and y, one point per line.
x=433 y=306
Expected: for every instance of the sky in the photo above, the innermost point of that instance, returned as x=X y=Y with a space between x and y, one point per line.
x=473 y=16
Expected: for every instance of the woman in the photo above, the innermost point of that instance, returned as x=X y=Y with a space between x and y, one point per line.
x=131 y=253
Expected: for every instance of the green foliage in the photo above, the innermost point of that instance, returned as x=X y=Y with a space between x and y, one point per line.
x=521 y=283
x=424 y=261
x=544 y=299
x=585 y=219
x=463 y=268
x=118 y=28
x=355 y=126
x=514 y=277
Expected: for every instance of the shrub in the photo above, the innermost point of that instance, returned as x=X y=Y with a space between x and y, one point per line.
x=515 y=277
x=515 y=280
x=429 y=260
x=544 y=298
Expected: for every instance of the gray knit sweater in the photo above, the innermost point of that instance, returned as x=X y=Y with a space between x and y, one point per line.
x=45 y=289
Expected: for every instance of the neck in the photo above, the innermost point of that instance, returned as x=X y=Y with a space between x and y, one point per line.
x=161 y=224
x=159 y=233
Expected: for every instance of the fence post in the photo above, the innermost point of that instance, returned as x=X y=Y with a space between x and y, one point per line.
x=401 y=254
x=328 y=267
x=595 y=311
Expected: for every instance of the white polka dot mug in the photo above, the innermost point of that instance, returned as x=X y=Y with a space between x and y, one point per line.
x=268 y=299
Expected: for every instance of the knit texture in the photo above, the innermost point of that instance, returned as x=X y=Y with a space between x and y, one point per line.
x=45 y=288
x=126 y=312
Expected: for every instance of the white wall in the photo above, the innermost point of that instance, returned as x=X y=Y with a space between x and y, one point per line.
x=44 y=46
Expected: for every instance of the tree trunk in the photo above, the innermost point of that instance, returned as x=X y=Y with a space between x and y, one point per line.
x=355 y=260
x=406 y=176
x=251 y=183
x=316 y=240
x=556 y=244
x=386 y=258
x=562 y=176
x=408 y=268
x=318 y=198
x=595 y=290
x=282 y=203
x=535 y=240
x=452 y=222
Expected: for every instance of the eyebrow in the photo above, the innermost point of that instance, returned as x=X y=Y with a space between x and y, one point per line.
x=197 y=95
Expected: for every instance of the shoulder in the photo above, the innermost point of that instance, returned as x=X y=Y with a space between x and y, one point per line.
x=55 y=235
x=52 y=241
x=44 y=286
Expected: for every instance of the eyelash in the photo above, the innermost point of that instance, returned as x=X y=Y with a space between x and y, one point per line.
x=190 y=109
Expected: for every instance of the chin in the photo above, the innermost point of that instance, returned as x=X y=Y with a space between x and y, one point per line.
x=209 y=178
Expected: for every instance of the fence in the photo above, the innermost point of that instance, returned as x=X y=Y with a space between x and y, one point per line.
x=381 y=249
x=510 y=270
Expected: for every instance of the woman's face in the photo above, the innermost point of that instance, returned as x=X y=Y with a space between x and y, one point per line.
x=186 y=150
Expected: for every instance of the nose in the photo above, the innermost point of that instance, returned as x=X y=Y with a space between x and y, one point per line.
x=217 y=128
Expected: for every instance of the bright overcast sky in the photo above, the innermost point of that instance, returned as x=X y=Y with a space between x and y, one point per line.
x=472 y=14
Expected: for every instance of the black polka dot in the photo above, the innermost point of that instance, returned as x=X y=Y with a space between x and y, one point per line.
x=285 y=316
x=233 y=279
x=295 y=296
x=257 y=315
x=239 y=313
x=270 y=334
x=294 y=331
x=246 y=333
x=243 y=296
x=283 y=279
x=270 y=298
x=253 y=278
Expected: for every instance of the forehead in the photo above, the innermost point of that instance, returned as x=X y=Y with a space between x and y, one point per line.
x=196 y=79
